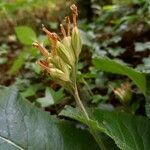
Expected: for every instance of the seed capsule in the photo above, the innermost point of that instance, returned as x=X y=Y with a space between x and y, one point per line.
x=44 y=65
x=61 y=65
x=64 y=53
x=59 y=75
x=76 y=41
x=42 y=49
x=67 y=43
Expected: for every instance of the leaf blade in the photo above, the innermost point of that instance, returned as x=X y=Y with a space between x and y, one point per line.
x=25 y=125
x=112 y=66
x=129 y=132
x=25 y=35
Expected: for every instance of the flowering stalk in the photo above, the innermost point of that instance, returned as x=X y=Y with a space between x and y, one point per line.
x=62 y=62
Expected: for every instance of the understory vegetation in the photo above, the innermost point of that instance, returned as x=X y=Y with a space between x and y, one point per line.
x=86 y=87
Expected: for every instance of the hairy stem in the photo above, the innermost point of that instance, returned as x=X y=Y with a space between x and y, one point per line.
x=85 y=114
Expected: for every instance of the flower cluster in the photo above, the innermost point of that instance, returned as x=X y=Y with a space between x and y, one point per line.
x=61 y=62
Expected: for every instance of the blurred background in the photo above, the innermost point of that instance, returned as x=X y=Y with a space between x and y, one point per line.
x=113 y=28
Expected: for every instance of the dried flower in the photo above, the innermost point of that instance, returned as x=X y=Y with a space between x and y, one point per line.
x=43 y=51
x=62 y=60
x=76 y=41
x=76 y=38
x=124 y=92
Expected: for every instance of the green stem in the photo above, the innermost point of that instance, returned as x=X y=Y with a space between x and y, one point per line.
x=85 y=114
x=80 y=104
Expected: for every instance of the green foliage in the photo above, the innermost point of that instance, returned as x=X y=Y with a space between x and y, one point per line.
x=18 y=63
x=72 y=113
x=114 y=29
x=31 y=90
x=142 y=46
x=3 y=54
x=51 y=97
x=22 y=32
x=129 y=132
x=25 y=35
x=12 y=7
x=147 y=106
x=112 y=66
x=23 y=126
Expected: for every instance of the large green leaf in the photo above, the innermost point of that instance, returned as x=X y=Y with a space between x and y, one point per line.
x=23 y=126
x=25 y=35
x=147 y=106
x=128 y=131
x=112 y=66
x=72 y=113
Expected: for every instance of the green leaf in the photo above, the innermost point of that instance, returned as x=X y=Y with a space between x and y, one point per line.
x=145 y=66
x=72 y=113
x=51 y=97
x=99 y=98
x=31 y=90
x=3 y=60
x=147 y=106
x=57 y=95
x=25 y=35
x=142 y=46
x=110 y=7
x=112 y=66
x=18 y=62
x=23 y=126
x=129 y=132
x=115 y=51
